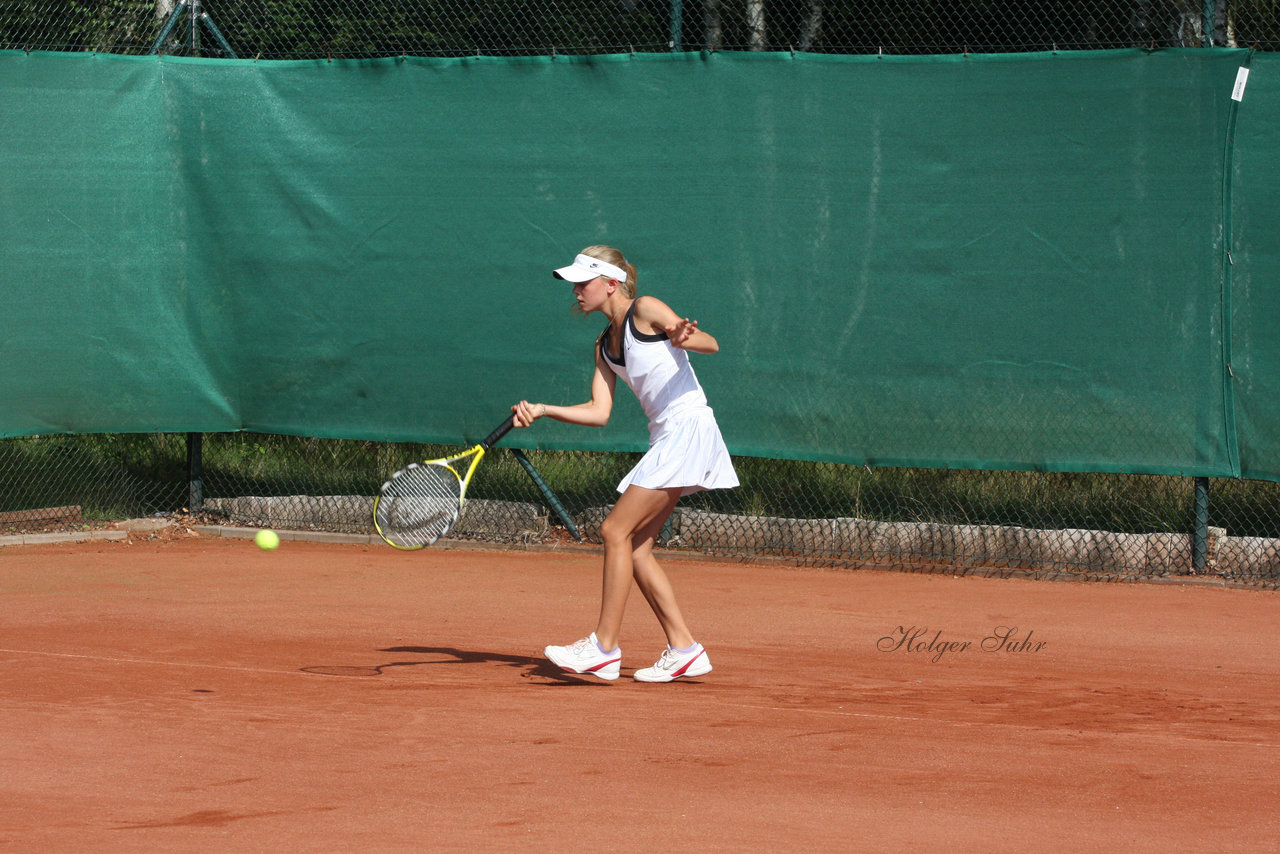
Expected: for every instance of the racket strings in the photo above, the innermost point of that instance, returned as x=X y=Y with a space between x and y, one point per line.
x=419 y=505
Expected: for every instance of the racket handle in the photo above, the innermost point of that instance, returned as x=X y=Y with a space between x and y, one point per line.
x=503 y=429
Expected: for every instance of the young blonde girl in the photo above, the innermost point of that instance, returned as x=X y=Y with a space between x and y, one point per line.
x=647 y=344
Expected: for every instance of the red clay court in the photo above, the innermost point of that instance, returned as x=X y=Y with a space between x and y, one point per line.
x=202 y=695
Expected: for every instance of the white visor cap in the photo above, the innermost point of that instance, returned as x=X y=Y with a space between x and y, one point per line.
x=585 y=268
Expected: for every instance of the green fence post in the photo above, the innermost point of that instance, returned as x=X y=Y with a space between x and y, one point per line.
x=195 y=472
x=1200 y=537
x=547 y=493
x=207 y=20
x=194 y=35
x=165 y=31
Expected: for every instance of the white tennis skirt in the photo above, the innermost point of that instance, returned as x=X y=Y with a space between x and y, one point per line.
x=685 y=450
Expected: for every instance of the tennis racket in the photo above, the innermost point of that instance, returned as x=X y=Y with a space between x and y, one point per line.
x=422 y=502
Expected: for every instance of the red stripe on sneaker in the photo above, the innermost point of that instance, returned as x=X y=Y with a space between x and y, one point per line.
x=603 y=664
x=681 y=671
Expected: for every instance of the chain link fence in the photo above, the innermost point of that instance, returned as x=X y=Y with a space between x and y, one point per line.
x=311 y=29
x=1034 y=524
x=1041 y=524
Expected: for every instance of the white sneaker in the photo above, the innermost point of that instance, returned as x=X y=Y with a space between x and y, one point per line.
x=672 y=665
x=585 y=657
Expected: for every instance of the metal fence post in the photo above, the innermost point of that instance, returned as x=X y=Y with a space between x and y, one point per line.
x=195 y=472
x=1200 y=537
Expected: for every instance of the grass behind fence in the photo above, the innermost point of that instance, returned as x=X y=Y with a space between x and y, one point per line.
x=117 y=476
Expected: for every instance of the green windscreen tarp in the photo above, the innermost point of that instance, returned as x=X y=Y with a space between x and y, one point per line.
x=1254 y=269
x=1011 y=261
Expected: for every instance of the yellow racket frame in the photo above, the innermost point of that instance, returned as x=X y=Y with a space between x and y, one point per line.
x=476 y=452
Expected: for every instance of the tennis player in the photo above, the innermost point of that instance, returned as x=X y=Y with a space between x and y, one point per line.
x=646 y=344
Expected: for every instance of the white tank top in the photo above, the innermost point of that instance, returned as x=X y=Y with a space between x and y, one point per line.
x=657 y=371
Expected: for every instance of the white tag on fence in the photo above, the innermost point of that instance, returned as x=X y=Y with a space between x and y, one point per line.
x=1237 y=94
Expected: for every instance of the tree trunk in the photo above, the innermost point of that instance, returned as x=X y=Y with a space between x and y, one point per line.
x=812 y=26
x=714 y=25
x=755 y=25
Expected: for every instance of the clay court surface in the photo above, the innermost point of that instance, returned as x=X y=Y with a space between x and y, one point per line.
x=202 y=695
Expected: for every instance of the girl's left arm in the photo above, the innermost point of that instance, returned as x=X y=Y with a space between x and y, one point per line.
x=681 y=331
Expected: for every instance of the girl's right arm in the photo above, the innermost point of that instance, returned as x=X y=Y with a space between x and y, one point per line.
x=593 y=413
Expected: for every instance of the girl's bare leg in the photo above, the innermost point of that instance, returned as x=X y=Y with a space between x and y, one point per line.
x=628 y=534
x=656 y=587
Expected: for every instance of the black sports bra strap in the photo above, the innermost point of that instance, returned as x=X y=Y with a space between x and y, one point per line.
x=604 y=348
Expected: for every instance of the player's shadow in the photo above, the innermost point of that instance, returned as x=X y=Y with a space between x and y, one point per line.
x=528 y=666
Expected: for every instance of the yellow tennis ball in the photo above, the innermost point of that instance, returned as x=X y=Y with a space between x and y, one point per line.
x=267 y=539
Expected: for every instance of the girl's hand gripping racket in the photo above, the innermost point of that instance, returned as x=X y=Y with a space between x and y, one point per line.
x=422 y=502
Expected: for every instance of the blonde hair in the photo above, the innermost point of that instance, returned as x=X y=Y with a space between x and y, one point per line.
x=614 y=257
x=628 y=288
